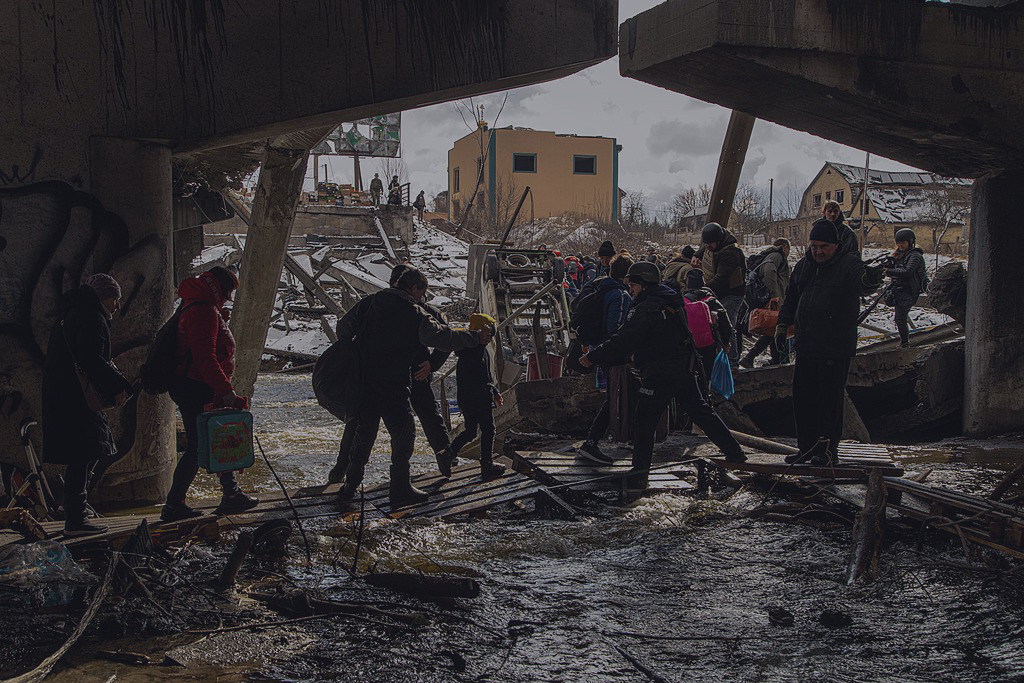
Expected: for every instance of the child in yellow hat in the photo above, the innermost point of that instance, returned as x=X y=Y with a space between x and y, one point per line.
x=477 y=395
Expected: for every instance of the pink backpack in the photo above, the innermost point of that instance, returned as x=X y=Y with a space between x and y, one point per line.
x=698 y=318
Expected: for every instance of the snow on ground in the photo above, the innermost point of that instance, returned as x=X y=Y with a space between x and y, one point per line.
x=443 y=258
x=214 y=254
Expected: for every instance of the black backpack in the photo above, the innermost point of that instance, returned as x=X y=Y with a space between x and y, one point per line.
x=338 y=375
x=160 y=367
x=586 y=313
x=757 y=295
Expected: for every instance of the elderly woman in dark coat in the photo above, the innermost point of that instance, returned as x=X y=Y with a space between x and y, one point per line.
x=73 y=433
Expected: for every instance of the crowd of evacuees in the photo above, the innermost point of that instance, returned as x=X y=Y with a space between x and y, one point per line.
x=661 y=323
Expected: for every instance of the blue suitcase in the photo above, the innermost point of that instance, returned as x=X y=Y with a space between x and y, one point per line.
x=225 y=440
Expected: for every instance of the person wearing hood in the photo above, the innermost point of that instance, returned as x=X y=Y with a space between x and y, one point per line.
x=615 y=303
x=78 y=352
x=847 y=237
x=206 y=362
x=663 y=352
x=723 y=259
x=394 y=327
x=823 y=302
x=909 y=275
x=675 y=271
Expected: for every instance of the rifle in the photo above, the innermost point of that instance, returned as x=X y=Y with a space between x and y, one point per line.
x=867 y=311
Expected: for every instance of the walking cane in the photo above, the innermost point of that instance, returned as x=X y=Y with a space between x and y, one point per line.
x=41 y=485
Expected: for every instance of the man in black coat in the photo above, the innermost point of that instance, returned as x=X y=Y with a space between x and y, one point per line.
x=395 y=328
x=909 y=275
x=74 y=434
x=823 y=302
x=657 y=336
x=422 y=398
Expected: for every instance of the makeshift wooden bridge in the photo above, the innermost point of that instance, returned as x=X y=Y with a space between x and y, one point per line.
x=856 y=460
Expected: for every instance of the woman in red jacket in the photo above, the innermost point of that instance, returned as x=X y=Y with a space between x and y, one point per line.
x=206 y=361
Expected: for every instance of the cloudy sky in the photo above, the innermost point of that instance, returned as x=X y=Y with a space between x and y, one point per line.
x=670 y=141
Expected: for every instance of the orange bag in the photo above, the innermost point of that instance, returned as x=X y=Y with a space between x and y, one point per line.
x=762 y=321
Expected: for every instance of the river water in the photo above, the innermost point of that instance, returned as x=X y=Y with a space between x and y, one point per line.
x=674 y=585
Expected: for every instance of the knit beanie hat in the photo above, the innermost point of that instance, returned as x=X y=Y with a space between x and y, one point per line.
x=104 y=285
x=606 y=249
x=695 y=279
x=688 y=252
x=824 y=230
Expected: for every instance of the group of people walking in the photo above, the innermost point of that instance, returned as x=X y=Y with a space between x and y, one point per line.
x=666 y=321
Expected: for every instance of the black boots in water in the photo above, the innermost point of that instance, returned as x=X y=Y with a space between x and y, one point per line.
x=820 y=448
x=402 y=492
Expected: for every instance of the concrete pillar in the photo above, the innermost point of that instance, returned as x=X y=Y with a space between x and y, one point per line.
x=730 y=166
x=994 y=362
x=132 y=179
x=273 y=211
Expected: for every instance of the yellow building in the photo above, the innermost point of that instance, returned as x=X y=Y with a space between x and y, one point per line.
x=896 y=199
x=567 y=174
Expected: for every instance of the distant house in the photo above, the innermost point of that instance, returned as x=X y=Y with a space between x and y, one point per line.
x=896 y=199
x=567 y=174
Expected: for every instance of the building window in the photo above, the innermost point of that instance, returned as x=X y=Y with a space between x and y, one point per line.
x=584 y=165
x=828 y=196
x=524 y=163
x=455 y=181
x=816 y=201
x=840 y=196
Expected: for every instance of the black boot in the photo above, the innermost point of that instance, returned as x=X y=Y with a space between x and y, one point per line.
x=235 y=501
x=337 y=474
x=825 y=458
x=402 y=492
x=490 y=470
x=819 y=447
x=445 y=459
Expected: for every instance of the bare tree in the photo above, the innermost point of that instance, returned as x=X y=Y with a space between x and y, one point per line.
x=389 y=167
x=948 y=202
x=689 y=199
x=634 y=211
x=750 y=206
x=787 y=203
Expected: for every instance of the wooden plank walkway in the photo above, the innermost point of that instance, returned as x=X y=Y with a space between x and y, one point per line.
x=856 y=460
x=464 y=493
x=564 y=470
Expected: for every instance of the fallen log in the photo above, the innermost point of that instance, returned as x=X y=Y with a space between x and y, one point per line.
x=1009 y=480
x=424 y=585
x=763 y=445
x=234 y=563
x=867 y=532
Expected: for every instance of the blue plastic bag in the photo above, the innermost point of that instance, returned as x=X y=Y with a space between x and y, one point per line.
x=721 y=376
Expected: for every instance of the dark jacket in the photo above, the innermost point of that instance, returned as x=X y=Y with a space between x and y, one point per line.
x=675 y=272
x=420 y=202
x=206 y=347
x=377 y=185
x=615 y=304
x=720 y=316
x=823 y=301
x=908 y=275
x=72 y=432
x=775 y=272
x=437 y=357
x=394 y=329
x=848 y=242
x=728 y=268
x=657 y=336
x=473 y=380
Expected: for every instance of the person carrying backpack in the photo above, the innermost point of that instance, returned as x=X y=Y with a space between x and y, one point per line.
x=205 y=362
x=770 y=274
x=612 y=301
x=706 y=317
x=724 y=260
x=661 y=345
x=909 y=278
x=675 y=271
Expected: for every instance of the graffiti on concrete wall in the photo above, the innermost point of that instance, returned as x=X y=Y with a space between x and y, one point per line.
x=51 y=236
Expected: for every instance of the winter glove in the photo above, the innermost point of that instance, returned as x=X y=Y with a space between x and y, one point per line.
x=781 y=334
x=873 y=275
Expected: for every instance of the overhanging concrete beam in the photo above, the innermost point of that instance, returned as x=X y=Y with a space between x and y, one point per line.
x=216 y=73
x=933 y=85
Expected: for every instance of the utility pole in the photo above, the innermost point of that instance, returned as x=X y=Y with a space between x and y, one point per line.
x=864 y=203
x=771 y=197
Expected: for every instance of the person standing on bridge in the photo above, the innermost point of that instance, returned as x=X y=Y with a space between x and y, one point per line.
x=823 y=302
x=909 y=278
x=394 y=329
x=376 y=189
x=478 y=397
x=75 y=434
x=206 y=362
x=420 y=204
x=657 y=336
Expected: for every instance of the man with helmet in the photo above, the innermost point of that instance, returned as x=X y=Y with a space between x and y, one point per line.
x=725 y=274
x=909 y=277
x=663 y=352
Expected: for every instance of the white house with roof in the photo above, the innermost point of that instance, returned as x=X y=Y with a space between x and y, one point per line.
x=931 y=205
